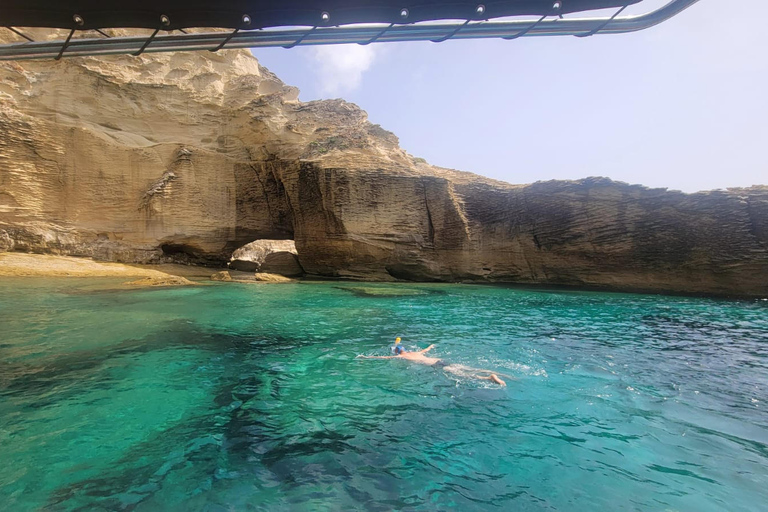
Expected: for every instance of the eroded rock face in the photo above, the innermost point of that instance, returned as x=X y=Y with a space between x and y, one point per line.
x=268 y=256
x=188 y=156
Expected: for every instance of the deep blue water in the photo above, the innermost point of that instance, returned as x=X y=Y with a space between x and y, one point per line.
x=249 y=397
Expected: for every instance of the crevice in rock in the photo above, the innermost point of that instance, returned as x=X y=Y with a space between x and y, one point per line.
x=536 y=241
x=310 y=193
x=460 y=209
x=263 y=190
x=761 y=237
x=270 y=164
x=187 y=254
x=174 y=249
x=430 y=226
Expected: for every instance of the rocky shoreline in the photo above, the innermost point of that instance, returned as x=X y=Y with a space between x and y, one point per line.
x=43 y=265
x=187 y=158
x=46 y=265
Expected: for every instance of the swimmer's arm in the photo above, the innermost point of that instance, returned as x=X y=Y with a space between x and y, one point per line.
x=375 y=357
x=427 y=349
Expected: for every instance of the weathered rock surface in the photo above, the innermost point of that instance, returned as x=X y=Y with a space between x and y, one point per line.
x=250 y=278
x=268 y=256
x=187 y=156
x=221 y=275
x=161 y=281
x=265 y=277
x=46 y=265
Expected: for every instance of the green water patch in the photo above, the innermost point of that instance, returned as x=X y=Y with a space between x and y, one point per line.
x=389 y=291
x=71 y=435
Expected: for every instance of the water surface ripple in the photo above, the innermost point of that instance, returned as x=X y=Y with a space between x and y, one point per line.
x=249 y=397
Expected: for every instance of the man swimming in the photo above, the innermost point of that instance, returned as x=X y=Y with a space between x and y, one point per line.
x=419 y=358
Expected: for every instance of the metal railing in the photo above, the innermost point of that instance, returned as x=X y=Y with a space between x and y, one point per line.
x=360 y=34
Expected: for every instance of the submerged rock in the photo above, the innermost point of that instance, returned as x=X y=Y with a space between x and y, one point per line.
x=222 y=275
x=161 y=281
x=369 y=291
x=242 y=277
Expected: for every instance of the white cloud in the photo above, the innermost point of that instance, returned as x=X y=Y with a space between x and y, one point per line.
x=340 y=68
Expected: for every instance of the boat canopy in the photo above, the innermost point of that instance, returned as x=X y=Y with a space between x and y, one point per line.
x=289 y=23
x=277 y=13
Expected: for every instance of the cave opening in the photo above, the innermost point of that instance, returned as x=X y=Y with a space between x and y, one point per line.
x=175 y=249
x=189 y=255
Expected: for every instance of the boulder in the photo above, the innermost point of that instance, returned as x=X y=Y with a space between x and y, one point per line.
x=264 y=277
x=268 y=256
x=249 y=278
x=222 y=275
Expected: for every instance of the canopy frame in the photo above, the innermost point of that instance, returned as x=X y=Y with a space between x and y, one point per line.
x=246 y=37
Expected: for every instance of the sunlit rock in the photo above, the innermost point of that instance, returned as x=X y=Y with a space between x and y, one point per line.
x=268 y=256
x=186 y=157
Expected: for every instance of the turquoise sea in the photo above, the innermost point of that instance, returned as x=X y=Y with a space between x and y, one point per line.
x=249 y=397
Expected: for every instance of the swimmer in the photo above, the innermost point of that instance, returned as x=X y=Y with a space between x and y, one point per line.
x=457 y=369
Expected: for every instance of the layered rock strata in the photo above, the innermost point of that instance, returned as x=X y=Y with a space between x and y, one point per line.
x=185 y=157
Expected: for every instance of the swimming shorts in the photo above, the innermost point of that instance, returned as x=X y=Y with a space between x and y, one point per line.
x=440 y=364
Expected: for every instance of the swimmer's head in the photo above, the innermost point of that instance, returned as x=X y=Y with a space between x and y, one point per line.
x=399 y=349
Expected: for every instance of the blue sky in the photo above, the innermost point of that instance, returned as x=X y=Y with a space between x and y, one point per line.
x=683 y=105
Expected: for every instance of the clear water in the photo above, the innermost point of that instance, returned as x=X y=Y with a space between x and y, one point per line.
x=249 y=397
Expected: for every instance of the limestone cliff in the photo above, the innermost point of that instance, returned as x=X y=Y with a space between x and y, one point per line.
x=188 y=156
